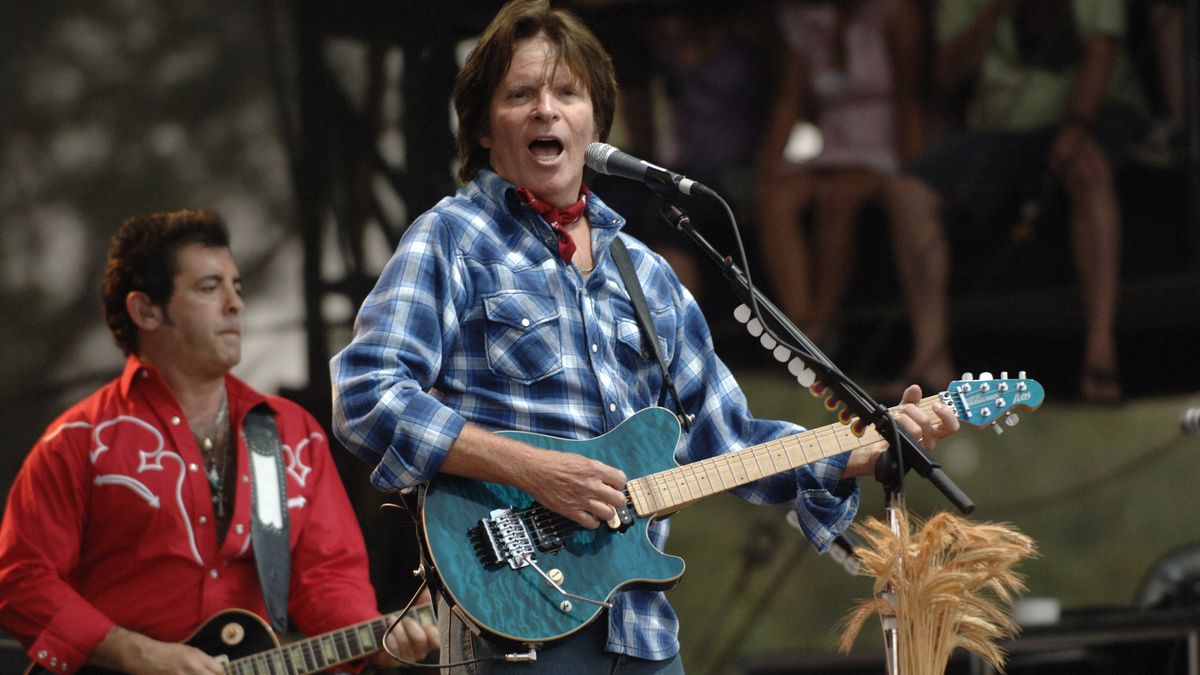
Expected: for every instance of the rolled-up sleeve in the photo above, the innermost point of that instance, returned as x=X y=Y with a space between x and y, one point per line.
x=383 y=410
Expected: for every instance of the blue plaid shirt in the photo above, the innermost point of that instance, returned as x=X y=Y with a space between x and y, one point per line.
x=476 y=318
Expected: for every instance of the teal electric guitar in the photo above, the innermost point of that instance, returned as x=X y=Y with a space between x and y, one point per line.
x=246 y=645
x=524 y=573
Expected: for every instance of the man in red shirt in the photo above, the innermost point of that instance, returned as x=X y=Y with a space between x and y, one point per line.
x=130 y=522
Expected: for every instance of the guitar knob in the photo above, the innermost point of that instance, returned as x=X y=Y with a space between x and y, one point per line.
x=232 y=633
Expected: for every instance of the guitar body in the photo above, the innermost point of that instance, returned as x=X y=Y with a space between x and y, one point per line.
x=519 y=604
x=234 y=633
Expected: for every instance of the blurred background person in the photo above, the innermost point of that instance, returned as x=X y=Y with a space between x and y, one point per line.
x=852 y=69
x=696 y=80
x=1053 y=105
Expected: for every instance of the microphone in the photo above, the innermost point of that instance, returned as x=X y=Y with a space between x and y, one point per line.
x=1189 y=422
x=606 y=159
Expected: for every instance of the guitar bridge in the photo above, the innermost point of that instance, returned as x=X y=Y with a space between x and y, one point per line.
x=502 y=538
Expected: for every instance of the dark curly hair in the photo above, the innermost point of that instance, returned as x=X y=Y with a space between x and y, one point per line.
x=143 y=257
x=580 y=51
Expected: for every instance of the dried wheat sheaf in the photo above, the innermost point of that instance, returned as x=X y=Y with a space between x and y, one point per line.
x=950 y=584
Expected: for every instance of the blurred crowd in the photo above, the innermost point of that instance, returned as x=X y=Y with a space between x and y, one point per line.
x=936 y=116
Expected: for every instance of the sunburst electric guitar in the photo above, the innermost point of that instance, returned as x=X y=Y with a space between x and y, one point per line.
x=246 y=645
x=524 y=573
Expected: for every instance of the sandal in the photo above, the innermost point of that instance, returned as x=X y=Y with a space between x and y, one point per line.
x=1101 y=386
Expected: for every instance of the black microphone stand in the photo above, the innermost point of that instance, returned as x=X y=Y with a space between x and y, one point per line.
x=904 y=452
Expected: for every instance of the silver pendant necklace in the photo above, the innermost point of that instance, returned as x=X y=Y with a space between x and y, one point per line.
x=214 y=447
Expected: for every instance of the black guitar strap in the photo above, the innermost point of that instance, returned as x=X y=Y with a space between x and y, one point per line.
x=637 y=296
x=269 y=513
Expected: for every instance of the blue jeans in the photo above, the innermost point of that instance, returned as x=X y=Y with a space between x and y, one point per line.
x=582 y=652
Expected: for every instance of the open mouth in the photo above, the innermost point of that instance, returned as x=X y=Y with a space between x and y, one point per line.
x=546 y=149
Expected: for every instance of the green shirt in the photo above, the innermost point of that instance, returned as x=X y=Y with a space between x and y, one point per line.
x=1011 y=95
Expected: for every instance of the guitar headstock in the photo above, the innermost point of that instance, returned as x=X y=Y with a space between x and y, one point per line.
x=987 y=401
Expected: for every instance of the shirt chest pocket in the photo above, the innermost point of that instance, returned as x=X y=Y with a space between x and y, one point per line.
x=633 y=340
x=523 y=340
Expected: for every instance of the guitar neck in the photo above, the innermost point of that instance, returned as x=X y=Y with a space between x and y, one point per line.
x=327 y=650
x=668 y=491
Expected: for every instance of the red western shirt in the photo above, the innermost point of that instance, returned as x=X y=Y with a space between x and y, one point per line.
x=110 y=521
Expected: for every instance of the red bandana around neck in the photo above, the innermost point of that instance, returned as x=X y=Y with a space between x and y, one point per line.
x=558 y=217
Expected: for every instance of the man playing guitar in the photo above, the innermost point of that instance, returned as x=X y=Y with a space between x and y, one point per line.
x=130 y=522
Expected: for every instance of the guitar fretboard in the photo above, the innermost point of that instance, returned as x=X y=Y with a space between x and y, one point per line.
x=324 y=651
x=667 y=491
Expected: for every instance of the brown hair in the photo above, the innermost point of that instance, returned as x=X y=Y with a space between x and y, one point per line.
x=579 y=50
x=144 y=257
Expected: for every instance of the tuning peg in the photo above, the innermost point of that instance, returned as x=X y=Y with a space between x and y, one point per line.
x=997 y=428
x=1021 y=375
x=767 y=342
x=742 y=313
x=985 y=376
x=781 y=354
x=1012 y=419
x=967 y=376
x=1004 y=374
x=755 y=327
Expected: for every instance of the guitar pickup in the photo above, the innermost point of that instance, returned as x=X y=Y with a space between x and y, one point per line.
x=546 y=534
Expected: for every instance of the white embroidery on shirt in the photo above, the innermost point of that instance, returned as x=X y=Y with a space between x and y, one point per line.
x=147 y=461
x=295 y=458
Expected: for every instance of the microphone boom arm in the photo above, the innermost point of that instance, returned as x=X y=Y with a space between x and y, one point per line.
x=905 y=452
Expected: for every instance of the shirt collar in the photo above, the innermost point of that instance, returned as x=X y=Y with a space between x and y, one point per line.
x=605 y=222
x=241 y=396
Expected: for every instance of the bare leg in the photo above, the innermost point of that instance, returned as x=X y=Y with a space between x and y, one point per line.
x=1167 y=23
x=841 y=196
x=923 y=261
x=782 y=202
x=1096 y=243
